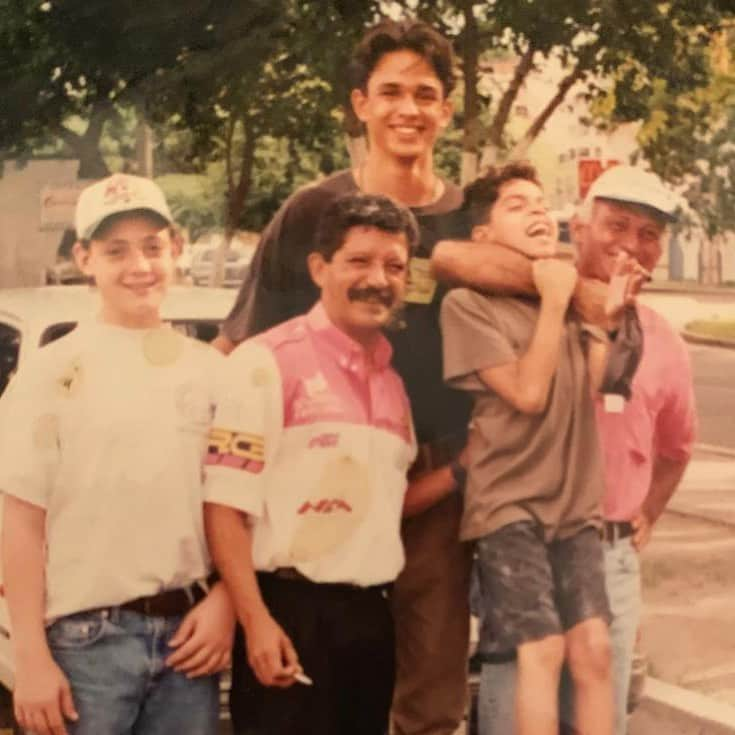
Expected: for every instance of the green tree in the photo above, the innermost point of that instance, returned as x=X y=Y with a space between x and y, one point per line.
x=66 y=60
x=593 y=39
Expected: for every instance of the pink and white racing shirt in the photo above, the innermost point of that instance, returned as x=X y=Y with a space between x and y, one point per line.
x=313 y=438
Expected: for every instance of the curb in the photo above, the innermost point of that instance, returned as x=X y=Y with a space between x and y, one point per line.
x=697 y=514
x=687 y=288
x=679 y=710
x=714 y=449
x=698 y=339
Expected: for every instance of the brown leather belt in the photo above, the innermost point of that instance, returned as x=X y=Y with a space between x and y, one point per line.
x=612 y=531
x=171 y=603
x=438 y=453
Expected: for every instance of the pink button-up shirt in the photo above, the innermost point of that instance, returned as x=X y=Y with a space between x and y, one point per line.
x=659 y=419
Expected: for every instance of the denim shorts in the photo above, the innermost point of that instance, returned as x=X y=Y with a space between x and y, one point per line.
x=531 y=589
x=115 y=662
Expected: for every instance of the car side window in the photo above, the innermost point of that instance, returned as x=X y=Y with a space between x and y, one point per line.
x=201 y=330
x=9 y=350
x=56 y=331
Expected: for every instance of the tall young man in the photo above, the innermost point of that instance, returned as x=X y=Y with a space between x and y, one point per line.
x=401 y=80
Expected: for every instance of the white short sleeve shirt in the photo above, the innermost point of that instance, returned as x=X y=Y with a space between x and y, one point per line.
x=106 y=430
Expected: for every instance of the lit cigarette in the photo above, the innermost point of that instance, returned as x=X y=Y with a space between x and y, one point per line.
x=303 y=679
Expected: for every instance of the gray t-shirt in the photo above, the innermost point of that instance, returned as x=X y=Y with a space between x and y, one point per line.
x=544 y=467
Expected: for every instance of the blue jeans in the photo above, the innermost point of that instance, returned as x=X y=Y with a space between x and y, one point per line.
x=114 y=660
x=622 y=580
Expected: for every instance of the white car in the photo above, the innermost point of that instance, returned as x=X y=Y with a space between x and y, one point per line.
x=236 y=265
x=33 y=317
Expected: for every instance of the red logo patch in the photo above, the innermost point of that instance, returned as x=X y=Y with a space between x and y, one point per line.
x=324 y=441
x=325 y=505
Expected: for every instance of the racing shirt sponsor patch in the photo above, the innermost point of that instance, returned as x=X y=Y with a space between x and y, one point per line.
x=236 y=449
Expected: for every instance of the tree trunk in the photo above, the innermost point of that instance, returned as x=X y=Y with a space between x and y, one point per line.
x=469 y=44
x=537 y=125
x=86 y=147
x=237 y=192
x=497 y=128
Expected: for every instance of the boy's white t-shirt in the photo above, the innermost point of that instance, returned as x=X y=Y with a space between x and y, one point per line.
x=106 y=430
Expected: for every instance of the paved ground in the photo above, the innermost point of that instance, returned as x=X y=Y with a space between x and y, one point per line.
x=689 y=583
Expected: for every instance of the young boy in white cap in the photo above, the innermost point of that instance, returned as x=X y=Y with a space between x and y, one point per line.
x=118 y=626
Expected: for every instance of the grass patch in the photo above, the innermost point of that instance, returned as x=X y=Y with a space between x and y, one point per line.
x=718 y=328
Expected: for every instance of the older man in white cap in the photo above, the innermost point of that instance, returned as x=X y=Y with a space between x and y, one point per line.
x=646 y=440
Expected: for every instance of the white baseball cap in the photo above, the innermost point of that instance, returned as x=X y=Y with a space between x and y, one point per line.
x=113 y=195
x=635 y=186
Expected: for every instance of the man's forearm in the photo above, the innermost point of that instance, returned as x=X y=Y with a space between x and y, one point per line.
x=490 y=269
x=666 y=476
x=24 y=560
x=525 y=383
x=537 y=367
x=427 y=490
x=499 y=270
x=230 y=544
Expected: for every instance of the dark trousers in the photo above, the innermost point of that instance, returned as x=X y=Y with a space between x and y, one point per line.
x=344 y=639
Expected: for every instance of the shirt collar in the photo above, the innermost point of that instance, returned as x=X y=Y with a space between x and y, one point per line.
x=348 y=351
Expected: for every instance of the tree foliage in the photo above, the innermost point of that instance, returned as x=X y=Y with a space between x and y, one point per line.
x=230 y=81
x=688 y=131
x=627 y=42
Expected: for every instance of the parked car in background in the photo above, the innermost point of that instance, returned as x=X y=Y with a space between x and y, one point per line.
x=31 y=318
x=235 y=266
x=64 y=272
x=238 y=253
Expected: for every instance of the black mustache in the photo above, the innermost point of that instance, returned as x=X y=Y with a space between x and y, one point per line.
x=383 y=295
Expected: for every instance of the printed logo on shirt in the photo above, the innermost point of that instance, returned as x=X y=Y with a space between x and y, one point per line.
x=236 y=449
x=325 y=505
x=334 y=510
x=324 y=441
x=315 y=385
x=421 y=284
x=314 y=400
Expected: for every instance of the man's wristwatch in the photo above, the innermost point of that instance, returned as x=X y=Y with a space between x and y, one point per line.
x=459 y=474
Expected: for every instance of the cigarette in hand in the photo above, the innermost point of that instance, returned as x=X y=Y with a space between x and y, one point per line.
x=647 y=276
x=303 y=678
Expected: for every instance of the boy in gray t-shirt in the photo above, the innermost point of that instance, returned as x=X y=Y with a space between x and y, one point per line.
x=535 y=477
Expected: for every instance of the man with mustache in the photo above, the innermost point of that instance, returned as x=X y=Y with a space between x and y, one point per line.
x=306 y=485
